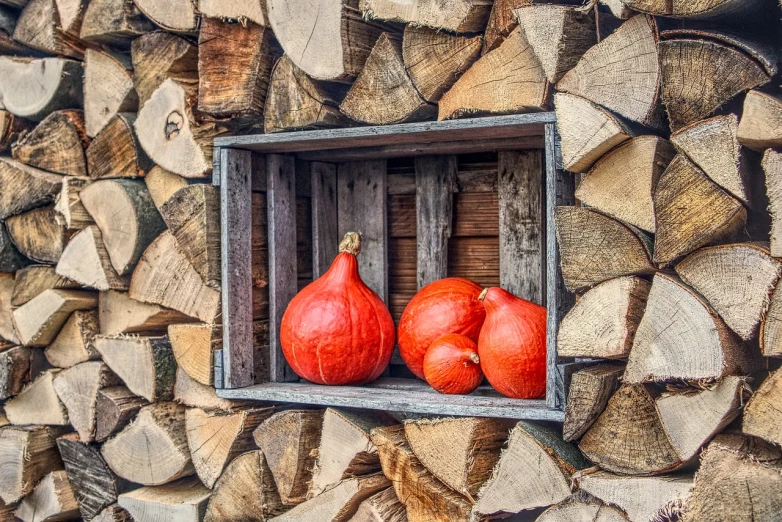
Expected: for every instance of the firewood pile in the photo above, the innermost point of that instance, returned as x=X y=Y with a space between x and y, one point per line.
x=670 y=116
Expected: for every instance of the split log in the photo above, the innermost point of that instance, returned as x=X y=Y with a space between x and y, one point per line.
x=178 y=16
x=108 y=90
x=68 y=205
x=9 y=46
x=691 y=418
x=7 y=512
x=77 y=388
x=461 y=453
x=161 y=55
x=621 y=73
x=38 y=403
x=629 y=438
x=42 y=25
x=163 y=184
x=623 y=250
x=234 y=66
x=330 y=42
x=37 y=234
x=127 y=218
x=384 y=78
x=288 y=439
x=56 y=145
x=39 y=321
x=34 y=279
x=622 y=183
x=572 y=510
x=182 y=501
x=116 y=153
x=772 y=166
x=761 y=121
x=771 y=327
x=705 y=9
x=119 y=314
x=18 y=366
x=687 y=65
x=691 y=212
x=761 y=415
x=340 y=502
x=460 y=16
x=50 y=501
x=425 y=498
x=11 y=129
x=145 y=364
x=113 y=513
x=678 y=319
x=558 y=34
x=297 y=102
x=642 y=498
x=192 y=216
x=381 y=507
x=738 y=476
x=95 y=486
x=27 y=453
x=7 y=328
x=181 y=289
x=194 y=346
x=506 y=80
x=86 y=261
x=502 y=22
x=588 y=396
x=346 y=449
x=196 y=395
x=152 y=450
x=587 y=131
x=737 y=280
x=75 y=343
x=113 y=23
x=603 y=322
x=115 y=408
x=434 y=60
x=42 y=86
x=216 y=438
x=240 y=10
x=245 y=492
x=25 y=188
x=714 y=147
x=10 y=258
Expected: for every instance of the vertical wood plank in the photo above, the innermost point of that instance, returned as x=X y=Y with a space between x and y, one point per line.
x=435 y=179
x=281 y=212
x=520 y=189
x=362 y=207
x=235 y=201
x=325 y=233
x=560 y=190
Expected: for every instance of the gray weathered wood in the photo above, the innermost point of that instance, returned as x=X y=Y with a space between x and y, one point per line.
x=218 y=358
x=521 y=192
x=403 y=395
x=435 y=180
x=362 y=208
x=216 y=160
x=325 y=233
x=235 y=201
x=281 y=211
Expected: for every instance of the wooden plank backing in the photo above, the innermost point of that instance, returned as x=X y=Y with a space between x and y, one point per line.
x=522 y=225
x=435 y=180
x=325 y=235
x=362 y=208
x=281 y=211
x=235 y=200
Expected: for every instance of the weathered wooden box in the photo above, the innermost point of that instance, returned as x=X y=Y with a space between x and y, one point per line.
x=471 y=198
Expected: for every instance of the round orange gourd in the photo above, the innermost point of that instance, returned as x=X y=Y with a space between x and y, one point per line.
x=452 y=366
x=337 y=330
x=446 y=306
x=512 y=345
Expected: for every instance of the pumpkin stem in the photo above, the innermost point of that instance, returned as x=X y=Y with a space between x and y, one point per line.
x=474 y=358
x=483 y=294
x=351 y=243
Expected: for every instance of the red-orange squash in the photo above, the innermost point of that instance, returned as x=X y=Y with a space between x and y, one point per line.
x=337 y=330
x=452 y=366
x=512 y=345
x=446 y=306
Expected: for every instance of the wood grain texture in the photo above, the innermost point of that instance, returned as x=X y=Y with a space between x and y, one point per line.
x=325 y=234
x=435 y=180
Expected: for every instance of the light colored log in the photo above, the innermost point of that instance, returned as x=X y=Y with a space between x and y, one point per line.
x=698 y=9
x=181 y=501
x=7 y=328
x=381 y=507
x=761 y=121
x=45 y=26
x=43 y=86
x=113 y=22
x=86 y=261
x=51 y=500
x=193 y=394
x=772 y=166
x=120 y=314
x=161 y=55
x=34 y=279
x=56 y=145
x=459 y=16
x=28 y=453
x=163 y=184
x=501 y=22
x=145 y=364
x=761 y=415
x=179 y=16
x=77 y=388
x=75 y=343
x=72 y=213
x=39 y=321
x=38 y=404
x=38 y=234
x=241 y=10
x=25 y=188
x=588 y=396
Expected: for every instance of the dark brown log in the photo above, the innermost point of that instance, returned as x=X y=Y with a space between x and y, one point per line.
x=145 y=364
x=78 y=388
x=51 y=500
x=115 y=408
x=116 y=153
x=588 y=396
x=28 y=453
x=7 y=328
x=113 y=22
x=75 y=343
x=86 y=261
x=57 y=144
x=32 y=280
x=501 y=22
x=39 y=321
x=11 y=128
x=119 y=314
x=25 y=188
x=18 y=366
x=38 y=403
x=42 y=25
x=38 y=234
x=10 y=258
x=161 y=55
x=42 y=87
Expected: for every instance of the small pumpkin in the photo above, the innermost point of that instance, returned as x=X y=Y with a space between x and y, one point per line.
x=446 y=306
x=452 y=366
x=338 y=331
x=512 y=345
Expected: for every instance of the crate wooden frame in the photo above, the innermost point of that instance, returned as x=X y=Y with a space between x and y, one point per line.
x=233 y=173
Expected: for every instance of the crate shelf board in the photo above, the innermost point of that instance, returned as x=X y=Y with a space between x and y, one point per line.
x=404 y=395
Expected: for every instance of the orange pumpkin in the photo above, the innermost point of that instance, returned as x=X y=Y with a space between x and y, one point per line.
x=452 y=366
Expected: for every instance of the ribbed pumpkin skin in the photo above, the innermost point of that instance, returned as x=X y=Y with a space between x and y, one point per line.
x=338 y=331
x=512 y=345
x=450 y=365
x=446 y=306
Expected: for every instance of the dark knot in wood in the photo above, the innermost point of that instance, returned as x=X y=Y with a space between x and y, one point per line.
x=174 y=124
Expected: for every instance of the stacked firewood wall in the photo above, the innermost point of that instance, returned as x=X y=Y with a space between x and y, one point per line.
x=670 y=116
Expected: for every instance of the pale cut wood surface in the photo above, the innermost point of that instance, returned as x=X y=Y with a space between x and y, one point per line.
x=68 y=204
x=571 y=509
x=39 y=321
x=338 y=503
x=381 y=507
x=43 y=86
x=761 y=121
x=108 y=89
x=145 y=364
x=52 y=499
x=38 y=234
x=690 y=9
x=460 y=16
x=77 y=389
x=181 y=501
x=179 y=16
x=158 y=56
x=115 y=408
x=772 y=166
x=120 y=314
x=163 y=184
x=38 y=403
x=242 y=10
x=761 y=417
x=113 y=22
x=25 y=188
x=34 y=279
x=7 y=328
x=86 y=261
x=28 y=453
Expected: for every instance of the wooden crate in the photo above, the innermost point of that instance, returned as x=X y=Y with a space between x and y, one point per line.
x=493 y=182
